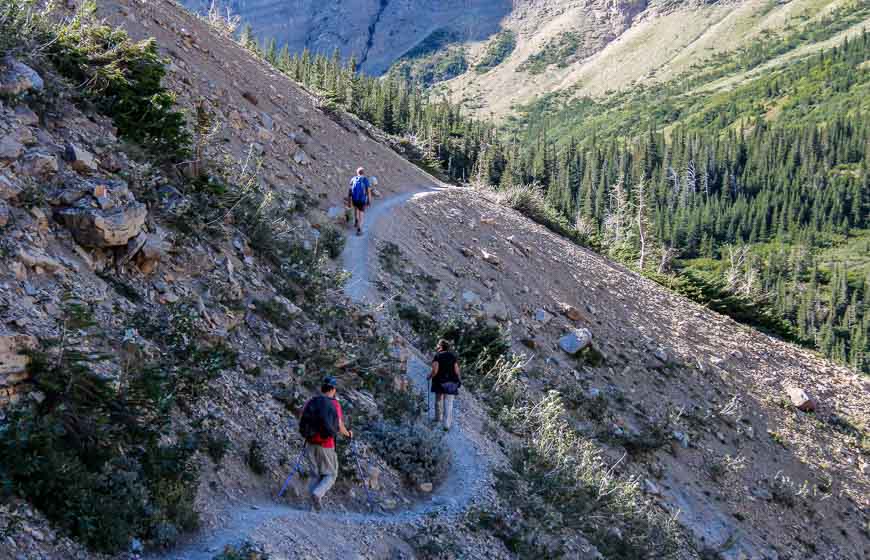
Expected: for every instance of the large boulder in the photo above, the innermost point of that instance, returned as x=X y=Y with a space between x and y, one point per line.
x=108 y=216
x=17 y=78
x=496 y=310
x=575 y=341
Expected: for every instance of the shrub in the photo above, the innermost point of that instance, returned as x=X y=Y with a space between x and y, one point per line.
x=246 y=551
x=256 y=458
x=497 y=51
x=98 y=461
x=124 y=79
x=332 y=241
x=415 y=450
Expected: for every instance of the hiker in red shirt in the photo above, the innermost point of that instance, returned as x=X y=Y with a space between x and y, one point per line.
x=321 y=420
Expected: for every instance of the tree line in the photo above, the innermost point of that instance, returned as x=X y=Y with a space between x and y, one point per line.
x=747 y=204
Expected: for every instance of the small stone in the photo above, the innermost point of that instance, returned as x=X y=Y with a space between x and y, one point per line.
x=575 y=341
x=542 y=316
x=251 y=97
x=490 y=258
x=265 y=136
x=300 y=157
x=496 y=310
x=466 y=252
x=470 y=298
x=80 y=159
x=4 y=213
x=682 y=438
x=800 y=399
x=426 y=487
x=571 y=312
x=661 y=356
x=651 y=488
x=35 y=259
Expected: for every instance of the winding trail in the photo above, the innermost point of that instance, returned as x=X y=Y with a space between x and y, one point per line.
x=300 y=533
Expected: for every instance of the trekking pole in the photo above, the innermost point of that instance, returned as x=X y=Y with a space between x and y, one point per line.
x=362 y=478
x=295 y=470
x=429 y=401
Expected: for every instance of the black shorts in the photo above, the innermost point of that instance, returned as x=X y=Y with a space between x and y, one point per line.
x=361 y=206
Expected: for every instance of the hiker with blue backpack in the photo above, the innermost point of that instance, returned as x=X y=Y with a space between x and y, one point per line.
x=321 y=421
x=359 y=196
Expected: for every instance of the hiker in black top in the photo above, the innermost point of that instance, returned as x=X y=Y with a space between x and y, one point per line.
x=445 y=382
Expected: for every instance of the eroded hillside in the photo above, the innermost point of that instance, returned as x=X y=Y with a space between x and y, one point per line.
x=179 y=312
x=694 y=404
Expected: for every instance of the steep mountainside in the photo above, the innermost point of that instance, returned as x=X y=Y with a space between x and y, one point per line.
x=176 y=278
x=374 y=32
x=495 y=54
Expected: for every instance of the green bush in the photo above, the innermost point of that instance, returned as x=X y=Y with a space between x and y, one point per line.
x=332 y=241
x=124 y=79
x=22 y=25
x=415 y=450
x=246 y=551
x=100 y=462
x=256 y=458
x=497 y=51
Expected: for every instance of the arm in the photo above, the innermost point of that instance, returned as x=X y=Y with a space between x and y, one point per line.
x=342 y=430
x=456 y=371
x=434 y=371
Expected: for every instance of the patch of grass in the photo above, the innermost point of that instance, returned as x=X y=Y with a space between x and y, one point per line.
x=422 y=323
x=529 y=201
x=216 y=443
x=274 y=312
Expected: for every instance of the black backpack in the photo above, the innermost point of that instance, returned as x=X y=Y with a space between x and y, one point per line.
x=319 y=418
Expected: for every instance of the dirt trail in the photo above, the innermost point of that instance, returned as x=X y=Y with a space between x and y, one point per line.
x=295 y=532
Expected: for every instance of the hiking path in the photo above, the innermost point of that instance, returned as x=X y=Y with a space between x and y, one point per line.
x=287 y=531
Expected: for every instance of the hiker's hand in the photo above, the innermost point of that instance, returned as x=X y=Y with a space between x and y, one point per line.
x=350 y=434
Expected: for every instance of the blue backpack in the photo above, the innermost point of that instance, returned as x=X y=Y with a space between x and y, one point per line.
x=358 y=189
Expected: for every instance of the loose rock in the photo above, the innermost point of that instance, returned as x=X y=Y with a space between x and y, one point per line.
x=575 y=341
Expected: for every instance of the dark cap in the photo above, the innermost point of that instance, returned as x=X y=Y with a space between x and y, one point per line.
x=330 y=381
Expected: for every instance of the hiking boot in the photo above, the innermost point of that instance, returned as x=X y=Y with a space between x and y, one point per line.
x=316 y=503
x=359 y=231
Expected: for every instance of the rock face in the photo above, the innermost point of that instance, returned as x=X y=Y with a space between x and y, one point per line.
x=17 y=78
x=575 y=341
x=13 y=365
x=375 y=32
x=107 y=217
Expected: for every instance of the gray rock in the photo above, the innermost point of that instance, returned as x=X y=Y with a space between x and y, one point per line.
x=95 y=227
x=300 y=157
x=661 y=355
x=10 y=147
x=497 y=310
x=575 y=341
x=470 y=298
x=8 y=190
x=80 y=159
x=682 y=438
x=543 y=317
x=17 y=78
x=4 y=213
x=39 y=164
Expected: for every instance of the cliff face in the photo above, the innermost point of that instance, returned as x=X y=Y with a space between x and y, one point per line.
x=376 y=32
